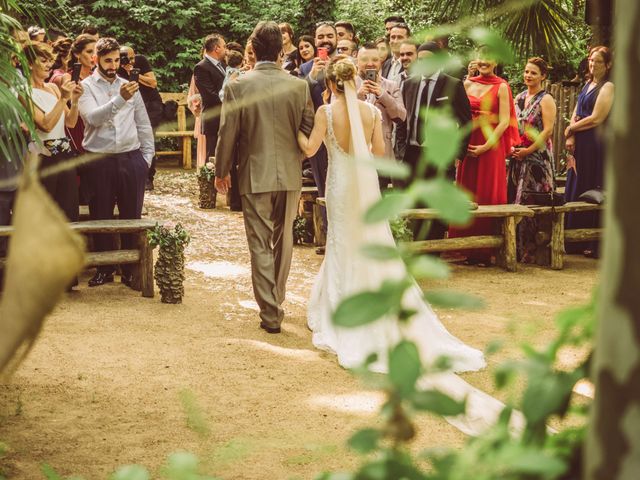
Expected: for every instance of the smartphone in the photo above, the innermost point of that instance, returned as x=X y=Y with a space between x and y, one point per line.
x=134 y=76
x=371 y=74
x=323 y=53
x=75 y=73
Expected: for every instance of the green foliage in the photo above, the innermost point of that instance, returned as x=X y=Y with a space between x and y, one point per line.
x=400 y=229
x=165 y=238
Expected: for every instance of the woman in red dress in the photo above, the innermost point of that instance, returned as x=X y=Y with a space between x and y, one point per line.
x=483 y=170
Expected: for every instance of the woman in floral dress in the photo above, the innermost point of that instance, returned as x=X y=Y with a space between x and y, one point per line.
x=531 y=163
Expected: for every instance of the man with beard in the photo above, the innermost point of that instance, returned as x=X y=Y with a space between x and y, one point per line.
x=117 y=127
x=313 y=71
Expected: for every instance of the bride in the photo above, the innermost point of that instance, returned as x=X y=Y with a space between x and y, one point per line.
x=351 y=129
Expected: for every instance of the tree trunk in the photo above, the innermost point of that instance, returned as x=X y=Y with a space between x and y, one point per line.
x=613 y=442
x=599 y=15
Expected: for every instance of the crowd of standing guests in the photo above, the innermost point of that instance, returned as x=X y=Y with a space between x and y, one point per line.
x=91 y=94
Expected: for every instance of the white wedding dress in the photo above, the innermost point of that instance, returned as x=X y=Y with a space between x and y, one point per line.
x=351 y=188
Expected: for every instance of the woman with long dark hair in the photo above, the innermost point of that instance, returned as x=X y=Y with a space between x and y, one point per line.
x=585 y=145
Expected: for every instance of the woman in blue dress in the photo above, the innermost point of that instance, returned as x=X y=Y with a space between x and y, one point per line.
x=585 y=143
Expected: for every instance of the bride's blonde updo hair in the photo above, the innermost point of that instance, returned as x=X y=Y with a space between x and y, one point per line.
x=341 y=69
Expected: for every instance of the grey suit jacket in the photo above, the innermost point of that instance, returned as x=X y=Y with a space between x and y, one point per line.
x=262 y=112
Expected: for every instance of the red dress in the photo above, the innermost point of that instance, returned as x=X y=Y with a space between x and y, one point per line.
x=485 y=176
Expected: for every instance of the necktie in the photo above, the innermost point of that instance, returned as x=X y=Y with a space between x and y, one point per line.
x=424 y=105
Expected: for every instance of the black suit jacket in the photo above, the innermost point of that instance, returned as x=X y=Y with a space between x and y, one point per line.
x=447 y=92
x=386 y=66
x=209 y=79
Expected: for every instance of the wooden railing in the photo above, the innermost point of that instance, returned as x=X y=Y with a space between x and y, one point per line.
x=181 y=133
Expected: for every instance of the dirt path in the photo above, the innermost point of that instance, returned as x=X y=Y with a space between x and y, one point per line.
x=118 y=379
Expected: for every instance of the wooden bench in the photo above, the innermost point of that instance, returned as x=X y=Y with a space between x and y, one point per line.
x=505 y=241
x=142 y=256
x=559 y=235
x=510 y=216
x=181 y=133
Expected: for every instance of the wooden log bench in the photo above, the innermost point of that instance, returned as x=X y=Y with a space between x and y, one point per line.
x=505 y=241
x=510 y=216
x=555 y=239
x=141 y=257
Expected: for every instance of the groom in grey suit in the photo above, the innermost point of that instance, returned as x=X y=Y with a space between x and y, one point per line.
x=262 y=113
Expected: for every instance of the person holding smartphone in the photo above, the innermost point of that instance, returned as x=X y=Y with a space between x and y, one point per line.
x=384 y=94
x=136 y=68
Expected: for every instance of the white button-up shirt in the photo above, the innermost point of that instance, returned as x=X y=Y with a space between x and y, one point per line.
x=111 y=123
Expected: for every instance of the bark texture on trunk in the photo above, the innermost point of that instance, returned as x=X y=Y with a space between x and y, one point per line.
x=613 y=443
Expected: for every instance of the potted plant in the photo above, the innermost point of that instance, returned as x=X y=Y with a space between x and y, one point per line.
x=169 y=269
x=206 y=176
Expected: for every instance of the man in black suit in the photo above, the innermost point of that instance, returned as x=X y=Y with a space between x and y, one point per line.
x=422 y=93
x=209 y=76
x=392 y=67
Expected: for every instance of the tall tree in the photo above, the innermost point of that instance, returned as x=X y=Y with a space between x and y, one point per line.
x=315 y=11
x=613 y=444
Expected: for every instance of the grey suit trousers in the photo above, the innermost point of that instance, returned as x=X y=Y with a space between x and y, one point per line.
x=268 y=222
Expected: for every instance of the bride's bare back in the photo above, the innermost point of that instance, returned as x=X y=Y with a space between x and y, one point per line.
x=371 y=125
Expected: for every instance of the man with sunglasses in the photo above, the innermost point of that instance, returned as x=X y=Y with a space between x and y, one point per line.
x=347 y=47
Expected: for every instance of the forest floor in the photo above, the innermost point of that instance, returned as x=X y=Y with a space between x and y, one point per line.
x=118 y=379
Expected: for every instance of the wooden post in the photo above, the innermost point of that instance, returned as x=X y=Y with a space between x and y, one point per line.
x=186 y=141
x=145 y=265
x=507 y=256
x=557 y=241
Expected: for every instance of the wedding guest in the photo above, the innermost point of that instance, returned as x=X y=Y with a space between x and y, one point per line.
x=249 y=56
x=54 y=35
x=585 y=143
x=148 y=90
x=235 y=46
x=393 y=66
x=116 y=126
x=391 y=22
x=495 y=131
x=288 y=47
x=382 y=93
x=83 y=51
x=408 y=54
x=60 y=69
x=306 y=48
x=423 y=95
x=194 y=103
x=36 y=34
x=383 y=48
x=51 y=114
x=347 y=47
x=531 y=162
x=209 y=75
x=345 y=30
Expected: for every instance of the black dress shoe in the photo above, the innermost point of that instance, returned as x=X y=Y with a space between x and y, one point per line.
x=100 y=279
x=320 y=250
x=269 y=329
x=127 y=279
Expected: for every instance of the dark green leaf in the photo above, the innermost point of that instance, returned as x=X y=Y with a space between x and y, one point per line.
x=131 y=472
x=535 y=462
x=437 y=402
x=546 y=395
x=365 y=441
x=494 y=46
x=391 y=168
x=404 y=366
x=380 y=252
x=361 y=309
x=428 y=266
x=387 y=207
x=444 y=138
x=453 y=299
x=452 y=203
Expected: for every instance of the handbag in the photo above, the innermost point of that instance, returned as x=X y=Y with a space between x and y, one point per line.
x=595 y=196
x=545 y=199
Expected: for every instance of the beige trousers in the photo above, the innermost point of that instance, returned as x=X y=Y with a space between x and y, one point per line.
x=268 y=222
